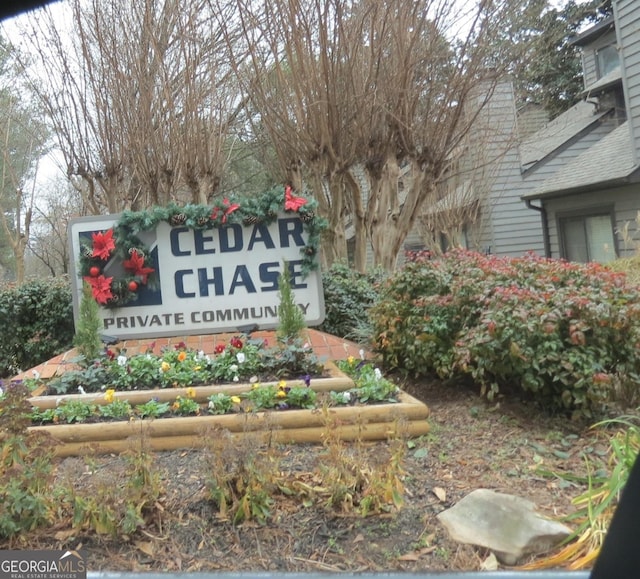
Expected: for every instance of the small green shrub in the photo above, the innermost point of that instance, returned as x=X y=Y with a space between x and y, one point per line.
x=348 y=295
x=567 y=334
x=36 y=323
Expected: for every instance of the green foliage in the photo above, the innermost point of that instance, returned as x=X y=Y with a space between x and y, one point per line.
x=551 y=74
x=239 y=360
x=185 y=406
x=221 y=403
x=74 y=411
x=26 y=467
x=87 y=338
x=565 y=334
x=370 y=385
x=290 y=317
x=36 y=323
x=152 y=409
x=116 y=410
x=348 y=295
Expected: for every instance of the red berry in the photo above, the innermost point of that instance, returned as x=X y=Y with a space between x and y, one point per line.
x=133 y=286
x=94 y=271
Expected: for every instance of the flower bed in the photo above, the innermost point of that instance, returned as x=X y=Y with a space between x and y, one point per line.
x=354 y=401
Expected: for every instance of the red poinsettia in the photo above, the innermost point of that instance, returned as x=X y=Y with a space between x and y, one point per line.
x=103 y=244
x=100 y=288
x=292 y=203
x=135 y=265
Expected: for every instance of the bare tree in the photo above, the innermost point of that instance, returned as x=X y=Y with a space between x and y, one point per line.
x=23 y=140
x=140 y=99
x=290 y=62
x=48 y=242
x=377 y=84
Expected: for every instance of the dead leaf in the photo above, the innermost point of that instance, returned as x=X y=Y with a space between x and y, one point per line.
x=64 y=535
x=490 y=563
x=440 y=493
x=359 y=538
x=409 y=557
x=146 y=547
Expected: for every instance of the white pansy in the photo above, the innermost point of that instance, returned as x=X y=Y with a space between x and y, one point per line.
x=36 y=374
x=233 y=367
x=377 y=373
x=241 y=357
x=211 y=404
x=361 y=353
x=236 y=379
x=81 y=390
x=346 y=396
x=1 y=391
x=122 y=360
x=253 y=379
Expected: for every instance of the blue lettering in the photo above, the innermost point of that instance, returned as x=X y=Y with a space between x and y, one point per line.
x=267 y=275
x=295 y=273
x=241 y=277
x=205 y=282
x=179 y=283
x=200 y=239
x=290 y=227
x=237 y=238
x=175 y=241
x=264 y=237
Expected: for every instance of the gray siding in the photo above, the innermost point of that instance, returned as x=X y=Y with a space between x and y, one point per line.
x=589 y=59
x=628 y=27
x=625 y=206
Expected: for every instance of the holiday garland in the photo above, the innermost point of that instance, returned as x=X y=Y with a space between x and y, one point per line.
x=121 y=242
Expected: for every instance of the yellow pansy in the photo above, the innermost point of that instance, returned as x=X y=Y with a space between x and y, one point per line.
x=351 y=360
x=281 y=394
x=190 y=392
x=165 y=366
x=236 y=399
x=109 y=395
x=282 y=384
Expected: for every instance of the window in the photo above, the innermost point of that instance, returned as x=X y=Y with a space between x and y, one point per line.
x=607 y=59
x=588 y=238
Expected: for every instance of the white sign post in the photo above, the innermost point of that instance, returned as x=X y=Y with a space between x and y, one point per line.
x=206 y=280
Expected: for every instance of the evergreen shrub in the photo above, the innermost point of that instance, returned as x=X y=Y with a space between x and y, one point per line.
x=348 y=295
x=566 y=334
x=36 y=323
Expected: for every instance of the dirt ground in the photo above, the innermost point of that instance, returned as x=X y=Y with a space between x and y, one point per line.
x=473 y=444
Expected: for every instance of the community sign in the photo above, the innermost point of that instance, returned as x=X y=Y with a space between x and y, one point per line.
x=194 y=280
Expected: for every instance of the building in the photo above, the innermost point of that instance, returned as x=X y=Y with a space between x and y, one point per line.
x=566 y=188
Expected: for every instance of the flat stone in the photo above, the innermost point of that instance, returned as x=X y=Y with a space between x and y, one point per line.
x=507 y=525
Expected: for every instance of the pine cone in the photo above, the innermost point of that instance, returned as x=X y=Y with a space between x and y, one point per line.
x=87 y=252
x=137 y=250
x=178 y=219
x=251 y=220
x=202 y=220
x=307 y=216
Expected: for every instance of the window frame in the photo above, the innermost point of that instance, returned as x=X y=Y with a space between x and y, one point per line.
x=600 y=210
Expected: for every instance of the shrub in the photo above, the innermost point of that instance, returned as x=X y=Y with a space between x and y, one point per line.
x=348 y=295
x=36 y=323
x=566 y=333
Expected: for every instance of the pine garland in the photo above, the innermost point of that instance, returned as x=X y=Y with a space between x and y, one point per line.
x=246 y=211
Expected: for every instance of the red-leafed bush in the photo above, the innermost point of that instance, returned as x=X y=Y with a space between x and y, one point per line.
x=567 y=333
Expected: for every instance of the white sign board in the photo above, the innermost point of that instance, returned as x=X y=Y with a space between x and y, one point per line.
x=208 y=280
